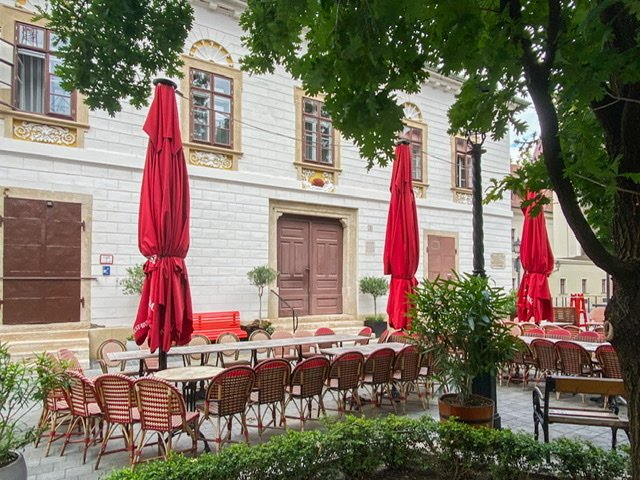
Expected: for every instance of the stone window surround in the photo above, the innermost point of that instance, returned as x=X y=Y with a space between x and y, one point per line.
x=41 y=123
x=228 y=157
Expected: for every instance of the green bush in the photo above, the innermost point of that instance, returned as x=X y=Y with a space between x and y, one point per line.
x=132 y=284
x=357 y=448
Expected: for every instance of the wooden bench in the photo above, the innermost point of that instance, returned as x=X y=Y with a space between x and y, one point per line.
x=212 y=324
x=610 y=388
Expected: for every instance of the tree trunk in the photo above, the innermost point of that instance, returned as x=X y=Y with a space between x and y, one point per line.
x=375 y=308
x=623 y=315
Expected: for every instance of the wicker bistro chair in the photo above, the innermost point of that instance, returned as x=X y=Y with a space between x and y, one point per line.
x=163 y=412
x=85 y=412
x=365 y=332
x=574 y=360
x=117 y=400
x=258 y=335
x=111 y=346
x=574 y=330
x=514 y=328
x=609 y=361
x=307 y=351
x=524 y=326
x=522 y=361
x=269 y=390
x=558 y=333
x=589 y=337
x=55 y=413
x=384 y=336
x=230 y=358
x=344 y=378
x=226 y=398
x=377 y=374
x=307 y=384
x=288 y=353
x=545 y=357
x=197 y=358
x=406 y=368
x=72 y=362
x=324 y=331
x=533 y=332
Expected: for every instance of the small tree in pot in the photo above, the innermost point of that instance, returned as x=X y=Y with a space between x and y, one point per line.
x=457 y=320
x=261 y=276
x=376 y=287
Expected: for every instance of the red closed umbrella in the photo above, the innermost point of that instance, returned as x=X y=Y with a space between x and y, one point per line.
x=164 y=315
x=534 y=296
x=402 y=241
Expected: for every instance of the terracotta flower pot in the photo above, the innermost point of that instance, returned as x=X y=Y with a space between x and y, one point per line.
x=479 y=411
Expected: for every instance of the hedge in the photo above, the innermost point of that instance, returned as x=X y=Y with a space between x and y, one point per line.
x=356 y=448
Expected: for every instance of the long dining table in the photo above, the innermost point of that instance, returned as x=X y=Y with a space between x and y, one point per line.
x=366 y=350
x=251 y=346
x=588 y=346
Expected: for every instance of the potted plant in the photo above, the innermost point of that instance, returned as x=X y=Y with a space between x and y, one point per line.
x=22 y=388
x=457 y=321
x=261 y=276
x=376 y=287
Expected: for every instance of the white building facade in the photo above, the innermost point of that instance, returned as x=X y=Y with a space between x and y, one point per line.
x=271 y=183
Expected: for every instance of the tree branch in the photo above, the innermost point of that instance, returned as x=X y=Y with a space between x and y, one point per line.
x=539 y=87
x=553 y=33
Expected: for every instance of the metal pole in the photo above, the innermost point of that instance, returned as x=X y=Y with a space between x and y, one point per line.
x=485 y=384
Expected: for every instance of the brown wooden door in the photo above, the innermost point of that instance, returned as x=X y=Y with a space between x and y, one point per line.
x=441 y=256
x=310 y=265
x=42 y=245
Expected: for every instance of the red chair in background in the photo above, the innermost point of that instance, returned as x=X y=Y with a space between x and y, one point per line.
x=365 y=332
x=307 y=385
x=533 y=332
x=609 y=361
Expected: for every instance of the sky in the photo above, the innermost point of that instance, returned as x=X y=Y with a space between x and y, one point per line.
x=529 y=116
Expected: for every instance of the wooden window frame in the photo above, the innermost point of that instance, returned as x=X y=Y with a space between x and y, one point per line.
x=212 y=110
x=318 y=147
x=563 y=286
x=457 y=184
x=583 y=285
x=416 y=143
x=48 y=53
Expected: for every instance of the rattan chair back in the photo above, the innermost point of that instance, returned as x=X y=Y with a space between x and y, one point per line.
x=309 y=376
x=590 y=337
x=116 y=396
x=258 y=335
x=305 y=349
x=545 y=354
x=407 y=364
x=533 y=332
x=346 y=369
x=272 y=377
x=384 y=336
x=365 y=332
x=110 y=346
x=228 y=393
x=158 y=402
x=378 y=365
x=609 y=361
x=72 y=362
x=574 y=359
x=283 y=352
x=324 y=331
x=82 y=395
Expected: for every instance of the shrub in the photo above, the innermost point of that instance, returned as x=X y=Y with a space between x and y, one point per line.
x=356 y=448
x=132 y=283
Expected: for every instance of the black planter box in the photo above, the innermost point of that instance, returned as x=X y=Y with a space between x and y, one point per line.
x=377 y=327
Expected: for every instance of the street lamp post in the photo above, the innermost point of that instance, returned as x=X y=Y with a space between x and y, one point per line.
x=516 y=261
x=484 y=384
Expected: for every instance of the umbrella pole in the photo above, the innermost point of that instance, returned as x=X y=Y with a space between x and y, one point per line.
x=162 y=359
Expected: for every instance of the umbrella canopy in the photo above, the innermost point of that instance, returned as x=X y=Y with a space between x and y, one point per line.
x=164 y=315
x=402 y=242
x=534 y=296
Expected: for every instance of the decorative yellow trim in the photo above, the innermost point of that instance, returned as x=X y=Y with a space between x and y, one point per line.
x=302 y=166
x=44 y=133
x=203 y=154
x=210 y=159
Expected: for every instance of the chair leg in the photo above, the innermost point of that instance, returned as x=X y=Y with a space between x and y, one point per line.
x=67 y=435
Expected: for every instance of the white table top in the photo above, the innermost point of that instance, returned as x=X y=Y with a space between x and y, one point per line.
x=237 y=346
x=364 y=349
x=188 y=374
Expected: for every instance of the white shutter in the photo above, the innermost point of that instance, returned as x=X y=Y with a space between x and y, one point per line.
x=6 y=71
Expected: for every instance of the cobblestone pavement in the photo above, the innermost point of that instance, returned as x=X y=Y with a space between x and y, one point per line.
x=514 y=407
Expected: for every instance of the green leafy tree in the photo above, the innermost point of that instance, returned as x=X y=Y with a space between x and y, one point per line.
x=111 y=49
x=376 y=287
x=578 y=61
x=261 y=277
